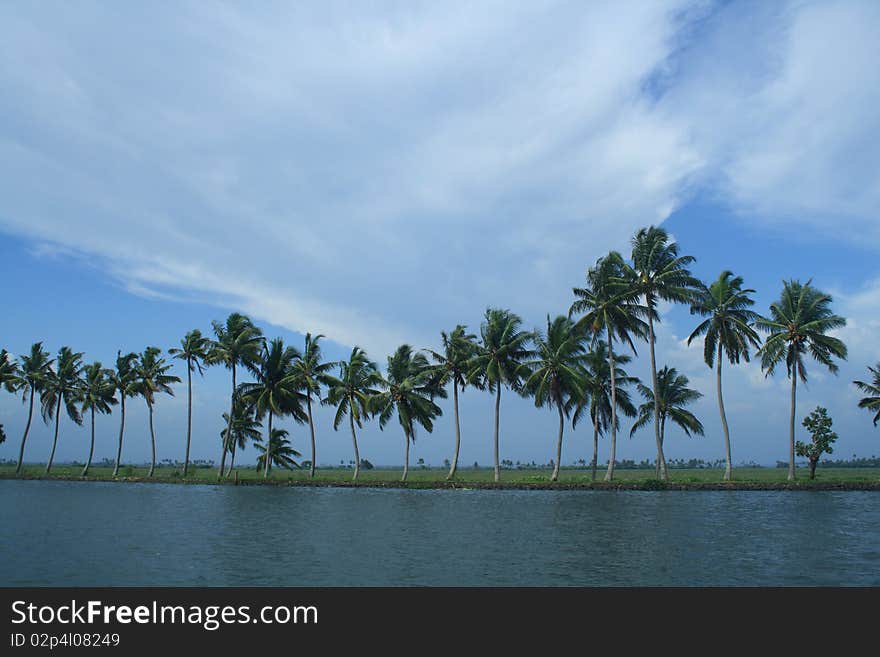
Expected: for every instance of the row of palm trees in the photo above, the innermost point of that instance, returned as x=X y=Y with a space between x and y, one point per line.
x=574 y=366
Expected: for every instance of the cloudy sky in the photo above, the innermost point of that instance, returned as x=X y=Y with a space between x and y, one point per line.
x=380 y=173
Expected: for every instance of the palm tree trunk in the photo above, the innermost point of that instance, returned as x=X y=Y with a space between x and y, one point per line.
x=609 y=474
x=354 y=440
x=189 y=414
x=91 y=446
x=231 y=459
x=405 y=456
x=121 y=429
x=228 y=425
x=152 y=442
x=312 y=430
x=55 y=440
x=728 y=470
x=661 y=461
x=497 y=411
x=268 y=448
x=27 y=428
x=662 y=436
x=595 y=445
x=555 y=474
x=791 y=474
x=454 y=466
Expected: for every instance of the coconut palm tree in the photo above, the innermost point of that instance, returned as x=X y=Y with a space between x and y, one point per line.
x=311 y=373
x=672 y=396
x=452 y=366
x=10 y=380
x=408 y=390
x=499 y=360
x=597 y=395
x=238 y=342
x=555 y=372
x=798 y=325
x=610 y=306
x=659 y=273
x=33 y=372
x=727 y=329
x=98 y=393
x=150 y=378
x=62 y=386
x=275 y=392
x=280 y=452
x=872 y=402
x=194 y=348
x=245 y=427
x=124 y=381
x=351 y=393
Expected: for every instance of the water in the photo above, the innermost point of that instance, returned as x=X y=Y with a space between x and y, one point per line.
x=96 y=534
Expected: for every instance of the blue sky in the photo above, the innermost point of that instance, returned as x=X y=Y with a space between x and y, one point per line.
x=379 y=174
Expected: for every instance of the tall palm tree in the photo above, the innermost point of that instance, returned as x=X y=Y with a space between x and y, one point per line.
x=151 y=377
x=555 y=372
x=98 y=394
x=452 y=366
x=408 y=390
x=275 y=391
x=34 y=370
x=10 y=379
x=280 y=452
x=311 y=373
x=124 y=379
x=727 y=329
x=659 y=273
x=238 y=342
x=351 y=393
x=245 y=427
x=62 y=385
x=598 y=394
x=194 y=348
x=672 y=396
x=872 y=402
x=610 y=305
x=798 y=325
x=499 y=360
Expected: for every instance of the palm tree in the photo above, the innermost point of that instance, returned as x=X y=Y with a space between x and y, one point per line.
x=798 y=325
x=245 y=426
x=597 y=395
x=150 y=373
x=280 y=452
x=872 y=403
x=10 y=379
x=499 y=360
x=409 y=390
x=727 y=329
x=351 y=394
x=34 y=370
x=452 y=366
x=124 y=380
x=238 y=343
x=659 y=273
x=98 y=394
x=62 y=385
x=194 y=350
x=311 y=373
x=275 y=391
x=555 y=372
x=610 y=306
x=672 y=396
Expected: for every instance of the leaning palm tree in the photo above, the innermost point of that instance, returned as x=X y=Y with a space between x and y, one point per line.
x=194 y=348
x=499 y=360
x=727 y=329
x=124 y=381
x=452 y=366
x=351 y=393
x=598 y=394
x=245 y=427
x=409 y=391
x=672 y=396
x=151 y=377
x=554 y=377
x=62 y=386
x=10 y=380
x=33 y=372
x=659 y=273
x=238 y=343
x=799 y=323
x=280 y=452
x=609 y=305
x=98 y=394
x=311 y=373
x=275 y=392
x=872 y=402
